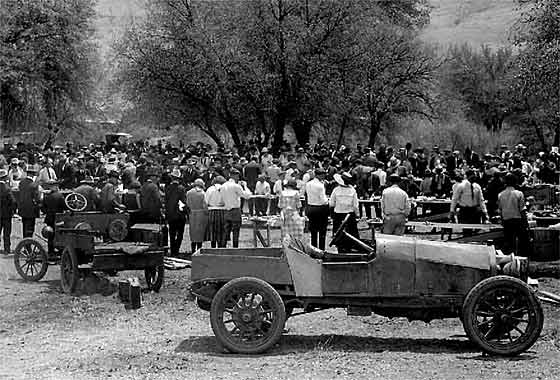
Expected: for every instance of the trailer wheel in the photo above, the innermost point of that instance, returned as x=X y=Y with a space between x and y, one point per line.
x=247 y=315
x=503 y=316
x=69 y=271
x=154 y=278
x=31 y=260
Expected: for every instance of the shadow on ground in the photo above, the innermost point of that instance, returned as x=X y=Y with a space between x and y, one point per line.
x=347 y=343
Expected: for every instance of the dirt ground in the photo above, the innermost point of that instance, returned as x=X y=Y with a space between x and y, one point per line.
x=45 y=334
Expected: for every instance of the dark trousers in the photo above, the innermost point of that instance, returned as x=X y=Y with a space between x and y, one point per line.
x=28 y=226
x=261 y=204
x=469 y=215
x=516 y=236
x=274 y=210
x=233 y=225
x=6 y=230
x=176 y=231
x=318 y=221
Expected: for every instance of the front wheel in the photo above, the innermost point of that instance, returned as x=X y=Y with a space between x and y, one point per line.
x=31 y=260
x=503 y=316
x=247 y=315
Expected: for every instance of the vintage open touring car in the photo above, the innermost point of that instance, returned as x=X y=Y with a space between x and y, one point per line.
x=251 y=292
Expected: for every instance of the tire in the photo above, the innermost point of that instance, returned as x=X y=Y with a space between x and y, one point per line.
x=154 y=278
x=31 y=260
x=502 y=316
x=247 y=315
x=69 y=271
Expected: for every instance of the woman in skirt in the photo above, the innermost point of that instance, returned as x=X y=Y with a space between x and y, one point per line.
x=216 y=224
x=197 y=211
x=344 y=201
x=289 y=203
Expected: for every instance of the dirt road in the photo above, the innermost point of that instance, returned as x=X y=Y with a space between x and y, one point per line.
x=45 y=334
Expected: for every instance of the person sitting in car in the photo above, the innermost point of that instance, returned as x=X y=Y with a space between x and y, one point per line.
x=109 y=201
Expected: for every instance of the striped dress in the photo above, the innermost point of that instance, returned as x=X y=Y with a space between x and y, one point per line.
x=292 y=223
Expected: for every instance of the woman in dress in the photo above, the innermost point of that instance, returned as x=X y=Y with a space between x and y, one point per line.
x=344 y=202
x=197 y=212
x=216 y=212
x=289 y=203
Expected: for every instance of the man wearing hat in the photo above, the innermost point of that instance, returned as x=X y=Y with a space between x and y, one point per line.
x=7 y=209
x=232 y=192
x=89 y=192
x=512 y=209
x=150 y=197
x=468 y=197
x=395 y=207
x=53 y=203
x=317 y=209
x=29 y=201
x=266 y=159
x=15 y=174
x=190 y=173
x=108 y=199
x=174 y=193
x=47 y=173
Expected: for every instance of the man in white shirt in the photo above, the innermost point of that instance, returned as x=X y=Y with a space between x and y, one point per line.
x=232 y=192
x=47 y=173
x=262 y=189
x=317 y=209
x=381 y=174
x=395 y=207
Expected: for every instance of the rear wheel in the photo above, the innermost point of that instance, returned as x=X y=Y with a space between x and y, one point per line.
x=69 y=271
x=31 y=260
x=502 y=316
x=247 y=315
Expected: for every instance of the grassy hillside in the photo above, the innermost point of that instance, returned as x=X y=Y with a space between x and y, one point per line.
x=475 y=22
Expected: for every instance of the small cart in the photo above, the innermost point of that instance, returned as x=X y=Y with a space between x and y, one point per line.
x=82 y=254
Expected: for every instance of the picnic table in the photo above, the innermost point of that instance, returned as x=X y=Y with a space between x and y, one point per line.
x=484 y=232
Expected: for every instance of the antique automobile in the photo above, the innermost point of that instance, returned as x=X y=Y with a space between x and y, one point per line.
x=86 y=241
x=251 y=292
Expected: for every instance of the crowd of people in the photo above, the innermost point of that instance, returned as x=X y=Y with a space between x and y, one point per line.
x=209 y=189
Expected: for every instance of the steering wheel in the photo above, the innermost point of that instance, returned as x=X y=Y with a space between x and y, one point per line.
x=340 y=232
x=75 y=202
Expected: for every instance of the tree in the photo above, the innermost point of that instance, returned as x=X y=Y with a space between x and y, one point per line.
x=397 y=78
x=47 y=54
x=252 y=67
x=536 y=83
x=480 y=78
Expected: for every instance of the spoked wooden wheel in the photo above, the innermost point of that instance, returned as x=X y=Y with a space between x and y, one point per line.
x=247 y=315
x=31 y=260
x=154 y=278
x=75 y=202
x=69 y=271
x=502 y=316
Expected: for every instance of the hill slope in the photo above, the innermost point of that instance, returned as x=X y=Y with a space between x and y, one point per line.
x=475 y=22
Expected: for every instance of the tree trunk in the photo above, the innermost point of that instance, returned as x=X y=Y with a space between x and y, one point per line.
x=342 y=129
x=302 y=129
x=232 y=129
x=374 y=128
x=279 y=125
